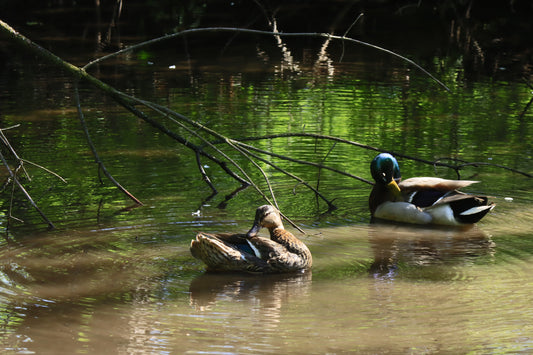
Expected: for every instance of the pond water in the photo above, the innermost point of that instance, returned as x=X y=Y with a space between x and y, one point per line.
x=116 y=278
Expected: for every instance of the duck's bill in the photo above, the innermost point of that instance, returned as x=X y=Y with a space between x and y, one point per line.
x=255 y=229
x=393 y=186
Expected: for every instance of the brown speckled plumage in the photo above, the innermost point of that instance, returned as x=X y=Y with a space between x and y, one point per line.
x=283 y=252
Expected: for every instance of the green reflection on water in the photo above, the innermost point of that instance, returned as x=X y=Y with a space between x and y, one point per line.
x=478 y=122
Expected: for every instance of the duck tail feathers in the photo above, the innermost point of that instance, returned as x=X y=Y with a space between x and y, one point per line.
x=474 y=214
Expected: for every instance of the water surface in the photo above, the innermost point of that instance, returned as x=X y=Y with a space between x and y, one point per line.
x=113 y=278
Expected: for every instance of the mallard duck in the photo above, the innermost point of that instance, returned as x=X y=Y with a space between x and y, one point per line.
x=282 y=252
x=422 y=200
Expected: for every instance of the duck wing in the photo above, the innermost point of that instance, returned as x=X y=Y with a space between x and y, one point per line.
x=278 y=256
x=433 y=183
x=218 y=253
x=460 y=207
x=235 y=240
x=296 y=256
x=430 y=191
x=237 y=252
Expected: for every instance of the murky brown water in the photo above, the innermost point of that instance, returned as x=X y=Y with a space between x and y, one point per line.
x=116 y=279
x=374 y=289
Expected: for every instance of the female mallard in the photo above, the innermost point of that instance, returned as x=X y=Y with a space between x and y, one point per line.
x=283 y=252
x=421 y=200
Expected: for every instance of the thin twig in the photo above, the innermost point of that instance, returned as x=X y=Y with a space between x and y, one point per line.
x=28 y=197
x=322 y=162
x=10 y=213
x=526 y=108
x=93 y=149
x=4 y=140
x=295 y=177
x=45 y=169
x=267 y=180
x=460 y=166
x=204 y=174
x=10 y=127
x=346 y=33
x=307 y=163
x=467 y=163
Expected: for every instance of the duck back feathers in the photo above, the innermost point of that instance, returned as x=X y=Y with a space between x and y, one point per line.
x=282 y=252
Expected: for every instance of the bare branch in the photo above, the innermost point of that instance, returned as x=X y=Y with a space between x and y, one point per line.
x=45 y=169
x=269 y=33
x=204 y=174
x=95 y=153
x=306 y=163
x=28 y=197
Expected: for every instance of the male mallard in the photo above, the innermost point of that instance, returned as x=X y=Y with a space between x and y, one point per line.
x=283 y=252
x=421 y=200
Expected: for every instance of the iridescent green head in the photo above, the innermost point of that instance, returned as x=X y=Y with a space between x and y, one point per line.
x=385 y=169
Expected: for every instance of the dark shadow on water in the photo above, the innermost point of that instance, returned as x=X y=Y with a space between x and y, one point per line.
x=437 y=249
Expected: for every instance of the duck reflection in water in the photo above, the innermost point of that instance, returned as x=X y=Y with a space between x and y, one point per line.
x=269 y=292
x=425 y=251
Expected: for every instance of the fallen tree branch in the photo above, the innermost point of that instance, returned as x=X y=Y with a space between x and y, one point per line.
x=98 y=161
x=129 y=102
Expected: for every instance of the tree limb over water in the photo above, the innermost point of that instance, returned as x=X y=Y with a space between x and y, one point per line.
x=326 y=36
x=194 y=129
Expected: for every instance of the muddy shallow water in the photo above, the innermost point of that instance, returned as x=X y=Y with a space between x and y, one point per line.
x=375 y=288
